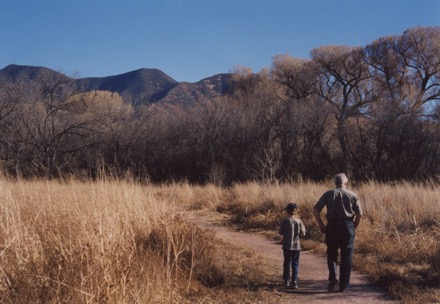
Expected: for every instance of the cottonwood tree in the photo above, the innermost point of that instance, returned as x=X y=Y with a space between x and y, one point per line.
x=169 y=144
x=296 y=75
x=406 y=82
x=114 y=129
x=211 y=129
x=48 y=124
x=419 y=48
x=10 y=148
x=11 y=96
x=304 y=126
x=259 y=110
x=344 y=84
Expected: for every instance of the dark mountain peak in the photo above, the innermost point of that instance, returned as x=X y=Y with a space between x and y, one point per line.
x=136 y=87
x=148 y=73
x=14 y=72
x=140 y=75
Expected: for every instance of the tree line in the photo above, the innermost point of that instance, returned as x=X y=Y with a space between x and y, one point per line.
x=370 y=111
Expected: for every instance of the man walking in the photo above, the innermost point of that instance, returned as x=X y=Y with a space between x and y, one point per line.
x=344 y=214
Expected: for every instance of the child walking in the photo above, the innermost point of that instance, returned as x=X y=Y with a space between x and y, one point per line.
x=290 y=228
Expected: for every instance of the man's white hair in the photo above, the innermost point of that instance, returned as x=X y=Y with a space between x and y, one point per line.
x=340 y=179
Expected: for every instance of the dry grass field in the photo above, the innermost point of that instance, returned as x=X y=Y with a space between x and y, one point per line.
x=112 y=241
x=118 y=241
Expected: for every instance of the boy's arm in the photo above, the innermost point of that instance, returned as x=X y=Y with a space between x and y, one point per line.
x=281 y=230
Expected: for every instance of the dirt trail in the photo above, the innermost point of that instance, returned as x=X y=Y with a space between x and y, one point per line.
x=312 y=273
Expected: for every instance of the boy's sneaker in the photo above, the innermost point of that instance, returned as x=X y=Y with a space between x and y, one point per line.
x=286 y=284
x=332 y=284
x=295 y=285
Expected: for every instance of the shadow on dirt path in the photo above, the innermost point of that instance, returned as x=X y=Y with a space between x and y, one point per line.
x=312 y=273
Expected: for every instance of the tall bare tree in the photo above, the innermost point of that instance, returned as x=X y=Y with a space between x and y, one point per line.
x=49 y=125
x=406 y=83
x=344 y=83
x=419 y=49
x=304 y=123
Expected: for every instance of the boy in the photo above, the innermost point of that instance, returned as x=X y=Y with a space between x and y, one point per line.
x=290 y=229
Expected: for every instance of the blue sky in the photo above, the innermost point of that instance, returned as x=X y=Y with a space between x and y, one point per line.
x=192 y=39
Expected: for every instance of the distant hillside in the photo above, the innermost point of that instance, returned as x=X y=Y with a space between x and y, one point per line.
x=141 y=86
x=16 y=73
x=205 y=89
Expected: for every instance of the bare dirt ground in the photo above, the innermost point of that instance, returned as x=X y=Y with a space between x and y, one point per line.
x=312 y=273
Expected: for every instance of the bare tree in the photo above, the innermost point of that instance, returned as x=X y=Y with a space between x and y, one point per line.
x=297 y=76
x=11 y=95
x=304 y=122
x=48 y=124
x=345 y=85
x=419 y=49
x=115 y=129
x=406 y=85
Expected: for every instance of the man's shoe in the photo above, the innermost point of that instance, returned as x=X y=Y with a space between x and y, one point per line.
x=286 y=284
x=342 y=289
x=295 y=285
x=332 y=284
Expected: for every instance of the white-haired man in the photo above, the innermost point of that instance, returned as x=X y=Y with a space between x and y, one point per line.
x=344 y=214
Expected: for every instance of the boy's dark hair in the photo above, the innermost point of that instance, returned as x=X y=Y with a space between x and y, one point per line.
x=291 y=207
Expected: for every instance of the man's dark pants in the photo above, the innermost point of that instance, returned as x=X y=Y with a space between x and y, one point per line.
x=340 y=235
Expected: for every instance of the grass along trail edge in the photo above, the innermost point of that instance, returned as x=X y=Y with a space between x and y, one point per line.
x=313 y=269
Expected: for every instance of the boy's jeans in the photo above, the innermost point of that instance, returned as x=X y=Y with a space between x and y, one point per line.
x=291 y=261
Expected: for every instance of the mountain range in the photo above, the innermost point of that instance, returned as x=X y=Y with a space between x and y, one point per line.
x=139 y=87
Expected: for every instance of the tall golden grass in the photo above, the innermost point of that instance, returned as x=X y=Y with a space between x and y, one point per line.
x=95 y=242
x=398 y=244
x=117 y=241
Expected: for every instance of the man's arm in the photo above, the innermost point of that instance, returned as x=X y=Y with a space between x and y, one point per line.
x=357 y=220
x=317 y=215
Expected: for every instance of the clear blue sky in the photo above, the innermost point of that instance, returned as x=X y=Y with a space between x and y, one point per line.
x=192 y=39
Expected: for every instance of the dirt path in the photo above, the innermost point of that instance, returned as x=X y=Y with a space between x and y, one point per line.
x=312 y=273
